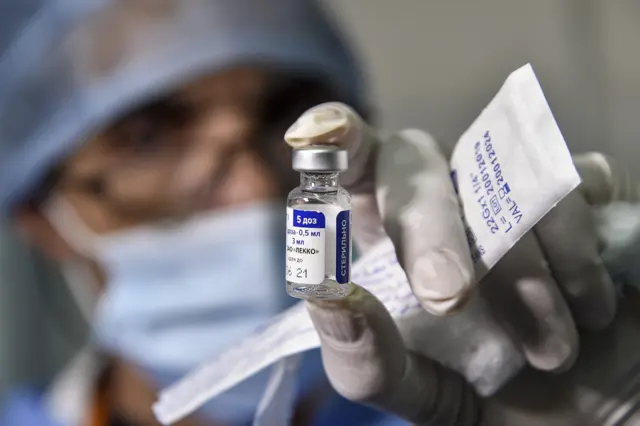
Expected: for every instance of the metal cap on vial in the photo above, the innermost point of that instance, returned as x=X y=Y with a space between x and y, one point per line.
x=317 y=158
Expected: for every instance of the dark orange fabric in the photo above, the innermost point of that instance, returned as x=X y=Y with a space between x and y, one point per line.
x=98 y=414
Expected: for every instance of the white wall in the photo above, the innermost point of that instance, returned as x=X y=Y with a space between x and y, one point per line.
x=435 y=63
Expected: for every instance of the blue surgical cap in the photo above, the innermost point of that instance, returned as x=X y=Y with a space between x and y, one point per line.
x=68 y=67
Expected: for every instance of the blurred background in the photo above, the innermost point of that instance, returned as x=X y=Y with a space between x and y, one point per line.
x=433 y=65
x=436 y=64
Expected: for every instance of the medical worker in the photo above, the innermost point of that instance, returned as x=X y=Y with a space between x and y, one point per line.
x=141 y=148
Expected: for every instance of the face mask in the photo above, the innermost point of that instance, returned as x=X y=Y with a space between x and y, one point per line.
x=179 y=294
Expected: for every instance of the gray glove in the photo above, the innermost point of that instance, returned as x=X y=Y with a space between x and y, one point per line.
x=551 y=282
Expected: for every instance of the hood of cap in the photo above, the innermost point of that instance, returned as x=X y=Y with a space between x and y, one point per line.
x=68 y=67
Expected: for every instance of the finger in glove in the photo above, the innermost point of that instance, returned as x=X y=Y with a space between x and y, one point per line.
x=367 y=362
x=526 y=299
x=568 y=238
x=422 y=215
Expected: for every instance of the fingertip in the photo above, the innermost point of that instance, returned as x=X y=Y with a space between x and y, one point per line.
x=552 y=344
x=442 y=281
x=337 y=124
x=325 y=123
x=560 y=354
x=330 y=123
x=446 y=307
x=605 y=180
x=343 y=320
x=596 y=173
x=562 y=360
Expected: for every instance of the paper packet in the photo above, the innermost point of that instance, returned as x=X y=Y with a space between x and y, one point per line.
x=510 y=168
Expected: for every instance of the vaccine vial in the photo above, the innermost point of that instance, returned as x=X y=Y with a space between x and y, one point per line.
x=318 y=259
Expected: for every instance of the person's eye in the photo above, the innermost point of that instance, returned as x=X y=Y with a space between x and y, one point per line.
x=152 y=129
x=143 y=135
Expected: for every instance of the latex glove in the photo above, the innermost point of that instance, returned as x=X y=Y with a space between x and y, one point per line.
x=550 y=281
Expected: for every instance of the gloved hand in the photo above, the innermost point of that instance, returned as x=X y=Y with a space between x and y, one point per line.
x=546 y=286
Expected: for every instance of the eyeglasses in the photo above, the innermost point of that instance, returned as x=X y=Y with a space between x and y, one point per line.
x=142 y=155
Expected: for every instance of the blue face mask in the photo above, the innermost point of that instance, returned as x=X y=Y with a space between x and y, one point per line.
x=179 y=294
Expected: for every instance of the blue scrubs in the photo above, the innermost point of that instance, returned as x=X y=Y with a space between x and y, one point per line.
x=25 y=406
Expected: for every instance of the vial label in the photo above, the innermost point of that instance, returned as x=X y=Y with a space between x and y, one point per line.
x=343 y=246
x=305 y=246
x=318 y=244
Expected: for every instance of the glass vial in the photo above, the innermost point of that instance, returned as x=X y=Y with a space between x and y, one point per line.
x=318 y=257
